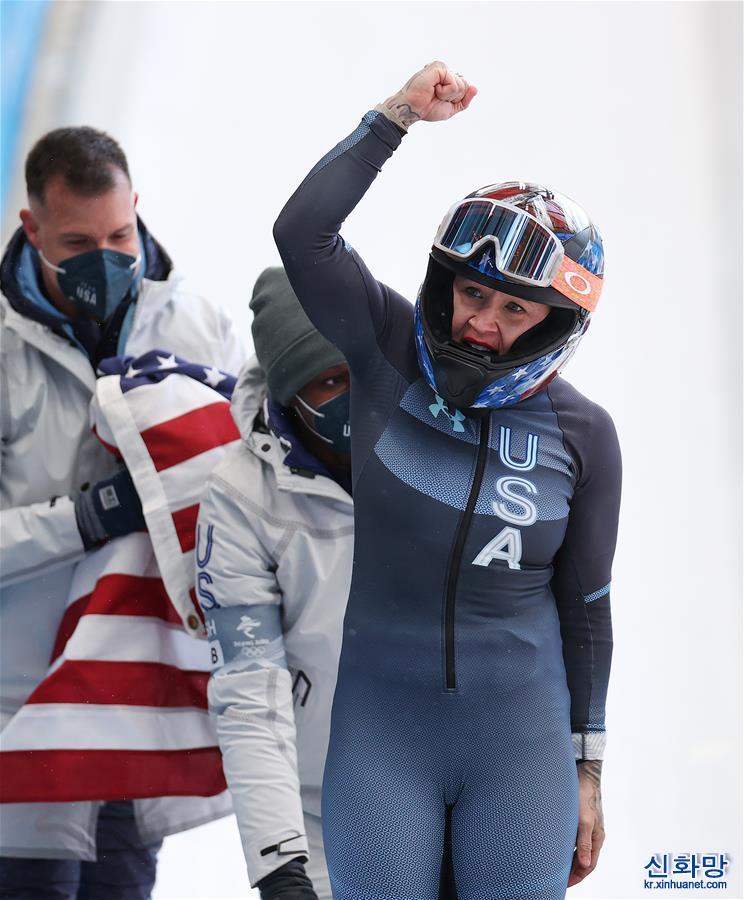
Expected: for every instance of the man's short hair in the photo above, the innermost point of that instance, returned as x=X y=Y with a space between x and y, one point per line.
x=84 y=157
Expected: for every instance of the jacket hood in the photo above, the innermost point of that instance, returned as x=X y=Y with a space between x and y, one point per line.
x=248 y=396
x=158 y=266
x=251 y=396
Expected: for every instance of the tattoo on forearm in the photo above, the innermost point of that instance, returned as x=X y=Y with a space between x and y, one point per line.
x=406 y=114
x=402 y=110
x=591 y=769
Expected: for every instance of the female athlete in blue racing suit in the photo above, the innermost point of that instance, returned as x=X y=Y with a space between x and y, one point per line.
x=477 y=640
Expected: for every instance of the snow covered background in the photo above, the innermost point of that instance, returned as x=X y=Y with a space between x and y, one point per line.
x=633 y=109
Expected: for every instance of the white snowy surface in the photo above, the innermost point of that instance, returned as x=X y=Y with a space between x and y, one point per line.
x=633 y=109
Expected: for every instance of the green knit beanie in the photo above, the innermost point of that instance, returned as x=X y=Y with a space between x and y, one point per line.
x=289 y=348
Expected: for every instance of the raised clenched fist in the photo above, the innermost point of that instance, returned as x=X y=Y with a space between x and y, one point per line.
x=432 y=95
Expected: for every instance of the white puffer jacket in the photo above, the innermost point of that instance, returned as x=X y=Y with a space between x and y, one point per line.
x=274 y=557
x=48 y=452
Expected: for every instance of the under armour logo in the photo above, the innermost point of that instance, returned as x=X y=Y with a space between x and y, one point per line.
x=441 y=406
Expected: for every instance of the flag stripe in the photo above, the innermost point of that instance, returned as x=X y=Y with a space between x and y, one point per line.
x=75 y=726
x=68 y=775
x=185 y=522
x=127 y=683
x=130 y=555
x=170 y=398
x=118 y=595
x=176 y=440
x=136 y=639
x=69 y=623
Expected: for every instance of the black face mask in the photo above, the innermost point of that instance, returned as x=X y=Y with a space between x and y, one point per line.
x=96 y=281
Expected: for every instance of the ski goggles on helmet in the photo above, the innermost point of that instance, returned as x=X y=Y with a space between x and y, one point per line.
x=525 y=250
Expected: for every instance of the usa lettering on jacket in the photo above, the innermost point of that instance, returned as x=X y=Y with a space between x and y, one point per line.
x=507 y=545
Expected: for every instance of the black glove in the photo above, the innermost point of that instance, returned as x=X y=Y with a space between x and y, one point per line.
x=288 y=882
x=110 y=508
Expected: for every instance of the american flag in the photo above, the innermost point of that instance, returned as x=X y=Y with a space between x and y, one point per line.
x=122 y=712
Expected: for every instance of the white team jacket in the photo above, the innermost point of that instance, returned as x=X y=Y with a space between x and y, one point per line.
x=48 y=451
x=274 y=557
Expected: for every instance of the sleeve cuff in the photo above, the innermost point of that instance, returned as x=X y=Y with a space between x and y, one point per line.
x=392 y=116
x=589 y=745
x=267 y=860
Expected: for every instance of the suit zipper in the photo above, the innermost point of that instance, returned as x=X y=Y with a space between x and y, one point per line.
x=463 y=527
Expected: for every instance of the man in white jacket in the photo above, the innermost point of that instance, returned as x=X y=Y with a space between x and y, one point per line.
x=274 y=556
x=81 y=280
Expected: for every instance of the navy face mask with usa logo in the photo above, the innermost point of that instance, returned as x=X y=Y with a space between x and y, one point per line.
x=96 y=281
x=331 y=422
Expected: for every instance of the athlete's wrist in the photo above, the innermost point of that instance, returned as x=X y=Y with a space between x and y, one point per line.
x=589 y=769
x=398 y=111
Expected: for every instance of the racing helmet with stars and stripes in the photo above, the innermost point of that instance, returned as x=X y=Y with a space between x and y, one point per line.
x=524 y=240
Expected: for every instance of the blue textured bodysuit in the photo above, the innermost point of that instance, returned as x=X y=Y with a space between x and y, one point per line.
x=477 y=639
